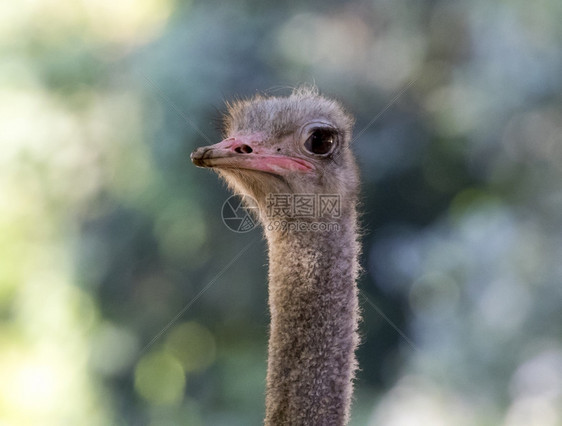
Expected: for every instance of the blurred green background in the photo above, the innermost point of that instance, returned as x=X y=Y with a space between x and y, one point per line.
x=108 y=231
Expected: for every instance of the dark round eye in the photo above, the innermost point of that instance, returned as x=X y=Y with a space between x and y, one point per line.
x=320 y=141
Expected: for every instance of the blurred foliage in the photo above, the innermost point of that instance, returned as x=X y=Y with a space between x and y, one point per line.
x=109 y=234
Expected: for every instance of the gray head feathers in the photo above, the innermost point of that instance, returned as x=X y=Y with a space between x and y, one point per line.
x=278 y=116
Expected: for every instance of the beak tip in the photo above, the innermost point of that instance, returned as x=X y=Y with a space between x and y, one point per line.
x=196 y=158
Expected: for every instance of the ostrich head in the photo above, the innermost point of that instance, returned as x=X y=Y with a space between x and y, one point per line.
x=297 y=144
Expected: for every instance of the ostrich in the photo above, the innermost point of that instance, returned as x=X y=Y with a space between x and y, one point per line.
x=294 y=146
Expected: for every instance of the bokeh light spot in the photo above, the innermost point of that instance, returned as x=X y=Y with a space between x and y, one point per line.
x=113 y=349
x=193 y=345
x=160 y=379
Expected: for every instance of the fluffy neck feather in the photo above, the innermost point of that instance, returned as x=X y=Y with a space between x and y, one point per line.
x=313 y=332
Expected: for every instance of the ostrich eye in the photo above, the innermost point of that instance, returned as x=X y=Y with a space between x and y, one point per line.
x=320 y=141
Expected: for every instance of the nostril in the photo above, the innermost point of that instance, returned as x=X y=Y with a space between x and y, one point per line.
x=243 y=149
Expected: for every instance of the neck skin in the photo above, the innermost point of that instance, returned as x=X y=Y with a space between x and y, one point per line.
x=313 y=333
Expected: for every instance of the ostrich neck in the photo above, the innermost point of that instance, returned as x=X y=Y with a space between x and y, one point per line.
x=314 y=315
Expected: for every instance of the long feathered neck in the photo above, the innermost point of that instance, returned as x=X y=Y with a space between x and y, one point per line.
x=313 y=332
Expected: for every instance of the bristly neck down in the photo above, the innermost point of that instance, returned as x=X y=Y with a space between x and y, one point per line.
x=314 y=317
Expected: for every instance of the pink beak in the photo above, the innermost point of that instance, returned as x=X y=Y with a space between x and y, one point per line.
x=246 y=152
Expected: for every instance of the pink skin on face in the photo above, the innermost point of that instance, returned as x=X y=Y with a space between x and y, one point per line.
x=246 y=152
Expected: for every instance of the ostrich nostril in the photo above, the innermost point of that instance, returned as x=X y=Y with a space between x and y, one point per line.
x=243 y=149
